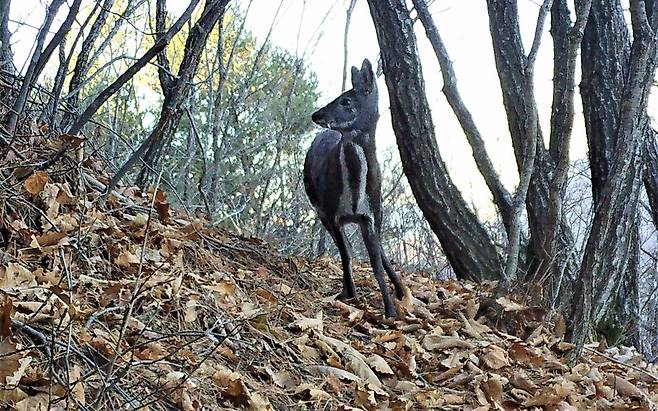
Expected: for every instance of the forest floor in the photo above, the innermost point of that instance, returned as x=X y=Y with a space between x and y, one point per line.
x=130 y=304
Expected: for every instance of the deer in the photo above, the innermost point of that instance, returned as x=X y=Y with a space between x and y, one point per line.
x=343 y=180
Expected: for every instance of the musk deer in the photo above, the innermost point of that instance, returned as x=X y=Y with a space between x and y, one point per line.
x=343 y=180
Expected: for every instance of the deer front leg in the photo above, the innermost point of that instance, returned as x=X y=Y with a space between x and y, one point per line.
x=371 y=240
x=345 y=250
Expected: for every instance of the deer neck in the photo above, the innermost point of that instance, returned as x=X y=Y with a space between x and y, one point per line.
x=364 y=138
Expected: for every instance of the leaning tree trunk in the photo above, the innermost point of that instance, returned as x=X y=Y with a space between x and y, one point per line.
x=175 y=97
x=83 y=61
x=467 y=245
x=610 y=246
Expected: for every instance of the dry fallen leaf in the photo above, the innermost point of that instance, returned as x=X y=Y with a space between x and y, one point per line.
x=379 y=364
x=623 y=386
x=36 y=182
x=126 y=259
x=493 y=388
x=16 y=276
x=495 y=358
x=10 y=361
x=509 y=305
x=525 y=355
x=6 y=306
x=311 y=393
x=231 y=385
x=355 y=359
x=306 y=324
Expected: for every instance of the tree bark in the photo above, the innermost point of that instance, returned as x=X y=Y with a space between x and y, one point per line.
x=466 y=244
x=650 y=174
x=6 y=58
x=609 y=251
x=520 y=106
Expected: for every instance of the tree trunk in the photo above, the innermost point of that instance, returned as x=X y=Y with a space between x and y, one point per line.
x=6 y=58
x=566 y=41
x=650 y=174
x=466 y=244
x=609 y=253
x=520 y=105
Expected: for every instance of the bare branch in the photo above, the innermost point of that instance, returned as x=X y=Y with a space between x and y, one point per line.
x=171 y=109
x=159 y=45
x=348 y=19
x=502 y=197
x=539 y=30
x=19 y=104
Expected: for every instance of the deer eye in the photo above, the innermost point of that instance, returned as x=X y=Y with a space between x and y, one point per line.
x=345 y=102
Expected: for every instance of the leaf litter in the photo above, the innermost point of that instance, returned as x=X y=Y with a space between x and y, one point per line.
x=134 y=304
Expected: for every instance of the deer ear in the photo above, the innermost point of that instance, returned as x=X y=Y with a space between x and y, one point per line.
x=367 y=77
x=356 y=78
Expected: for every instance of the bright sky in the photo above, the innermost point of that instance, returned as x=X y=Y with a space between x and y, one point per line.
x=463 y=25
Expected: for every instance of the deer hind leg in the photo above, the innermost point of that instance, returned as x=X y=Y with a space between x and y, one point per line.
x=345 y=250
x=397 y=284
x=371 y=240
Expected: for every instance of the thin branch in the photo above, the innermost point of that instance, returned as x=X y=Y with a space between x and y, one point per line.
x=109 y=91
x=539 y=30
x=348 y=19
x=502 y=197
x=19 y=104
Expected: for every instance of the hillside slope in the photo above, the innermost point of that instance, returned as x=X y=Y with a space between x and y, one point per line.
x=129 y=304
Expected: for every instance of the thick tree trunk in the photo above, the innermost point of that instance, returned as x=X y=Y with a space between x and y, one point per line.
x=604 y=59
x=466 y=244
x=610 y=251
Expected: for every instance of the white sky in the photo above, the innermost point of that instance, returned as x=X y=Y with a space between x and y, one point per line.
x=463 y=25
